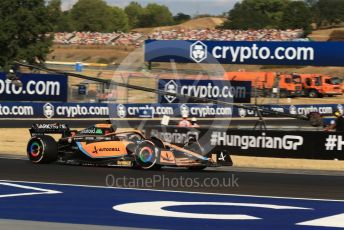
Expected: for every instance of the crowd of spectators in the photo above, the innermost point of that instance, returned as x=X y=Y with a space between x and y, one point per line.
x=229 y=35
x=136 y=39
x=89 y=38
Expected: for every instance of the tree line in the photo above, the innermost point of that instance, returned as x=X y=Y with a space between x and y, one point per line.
x=26 y=26
x=98 y=16
x=285 y=14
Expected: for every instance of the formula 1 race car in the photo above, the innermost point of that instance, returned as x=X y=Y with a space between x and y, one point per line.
x=101 y=145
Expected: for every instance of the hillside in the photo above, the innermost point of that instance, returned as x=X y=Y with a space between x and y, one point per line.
x=199 y=23
x=333 y=34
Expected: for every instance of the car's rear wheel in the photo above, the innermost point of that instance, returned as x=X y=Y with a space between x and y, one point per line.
x=42 y=149
x=146 y=156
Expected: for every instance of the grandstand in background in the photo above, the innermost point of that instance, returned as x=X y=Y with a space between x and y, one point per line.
x=137 y=39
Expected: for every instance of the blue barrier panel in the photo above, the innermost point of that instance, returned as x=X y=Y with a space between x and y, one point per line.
x=228 y=91
x=172 y=110
x=323 y=109
x=103 y=111
x=212 y=111
x=245 y=52
x=35 y=87
x=53 y=110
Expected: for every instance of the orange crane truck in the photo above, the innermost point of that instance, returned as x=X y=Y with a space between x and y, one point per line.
x=319 y=85
x=267 y=83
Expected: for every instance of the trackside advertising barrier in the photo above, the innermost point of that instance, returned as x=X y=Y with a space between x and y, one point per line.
x=53 y=110
x=36 y=87
x=230 y=91
x=212 y=111
x=323 y=109
x=246 y=52
x=293 y=144
x=102 y=110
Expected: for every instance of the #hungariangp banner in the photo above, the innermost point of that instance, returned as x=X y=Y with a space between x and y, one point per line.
x=246 y=52
x=35 y=87
x=272 y=143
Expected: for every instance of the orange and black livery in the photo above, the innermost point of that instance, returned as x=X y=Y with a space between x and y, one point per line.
x=103 y=145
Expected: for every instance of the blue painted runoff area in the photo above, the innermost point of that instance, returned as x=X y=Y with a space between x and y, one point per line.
x=166 y=210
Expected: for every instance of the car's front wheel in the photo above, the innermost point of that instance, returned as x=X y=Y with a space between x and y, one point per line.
x=146 y=156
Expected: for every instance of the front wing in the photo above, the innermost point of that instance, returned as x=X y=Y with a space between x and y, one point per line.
x=180 y=159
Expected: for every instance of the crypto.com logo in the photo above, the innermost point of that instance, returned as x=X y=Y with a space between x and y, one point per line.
x=340 y=109
x=184 y=110
x=293 y=110
x=48 y=110
x=171 y=87
x=242 y=112
x=198 y=51
x=121 y=111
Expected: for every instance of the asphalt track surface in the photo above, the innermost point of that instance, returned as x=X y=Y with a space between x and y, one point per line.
x=302 y=184
x=255 y=182
x=34 y=225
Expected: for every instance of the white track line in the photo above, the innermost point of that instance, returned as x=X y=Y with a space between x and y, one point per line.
x=40 y=190
x=173 y=191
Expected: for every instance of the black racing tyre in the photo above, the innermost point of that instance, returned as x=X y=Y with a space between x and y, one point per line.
x=313 y=94
x=146 y=156
x=42 y=150
x=283 y=94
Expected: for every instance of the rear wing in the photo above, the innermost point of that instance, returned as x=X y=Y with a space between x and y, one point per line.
x=42 y=129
